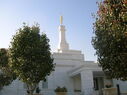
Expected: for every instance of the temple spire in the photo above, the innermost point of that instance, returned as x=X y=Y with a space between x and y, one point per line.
x=61 y=20
x=63 y=45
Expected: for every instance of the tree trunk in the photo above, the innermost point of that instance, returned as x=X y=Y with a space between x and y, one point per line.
x=31 y=88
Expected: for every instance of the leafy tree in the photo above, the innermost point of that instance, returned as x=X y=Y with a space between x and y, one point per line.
x=30 y=56
x=110 y=40
x=6 y=74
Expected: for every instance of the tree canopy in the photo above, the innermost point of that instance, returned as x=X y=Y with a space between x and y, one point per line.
x=6 y=74
x=110 y=40
x=30 y=56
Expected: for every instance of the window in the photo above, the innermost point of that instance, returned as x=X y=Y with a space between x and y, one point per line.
x=96 y=84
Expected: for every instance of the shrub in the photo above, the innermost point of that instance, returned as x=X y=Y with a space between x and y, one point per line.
x=61 y=89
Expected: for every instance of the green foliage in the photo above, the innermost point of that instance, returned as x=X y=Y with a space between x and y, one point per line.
x=5 y=80
x=61 y=89
x=30 y=55
x=38 y=90
x=108 y=86
x=3 y=57
x=110 y=41
x=6 y=74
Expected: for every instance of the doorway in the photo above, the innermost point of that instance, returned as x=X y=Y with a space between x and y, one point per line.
x=98 y=85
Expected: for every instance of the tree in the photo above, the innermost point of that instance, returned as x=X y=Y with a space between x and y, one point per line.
x=6 y=74
x=110 y=41
x=30 y=56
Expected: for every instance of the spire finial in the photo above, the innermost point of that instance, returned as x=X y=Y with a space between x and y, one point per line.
x=61 y=19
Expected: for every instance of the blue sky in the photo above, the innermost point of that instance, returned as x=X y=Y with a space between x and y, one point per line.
x=77 y=19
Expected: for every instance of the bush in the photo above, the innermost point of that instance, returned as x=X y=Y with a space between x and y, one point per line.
x=61 y=89
x=38 y=90
x=108 y=85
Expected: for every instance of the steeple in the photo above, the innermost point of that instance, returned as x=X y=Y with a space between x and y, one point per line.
x=63 y=45
x=61 y=20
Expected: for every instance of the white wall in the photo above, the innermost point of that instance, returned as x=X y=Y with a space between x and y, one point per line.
x=122 y=85
x=16 y=88
x=60 y=78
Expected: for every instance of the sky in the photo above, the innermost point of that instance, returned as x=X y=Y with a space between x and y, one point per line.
x=77 y=18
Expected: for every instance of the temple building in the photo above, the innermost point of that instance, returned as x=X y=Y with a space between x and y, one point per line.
x=72 y=71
